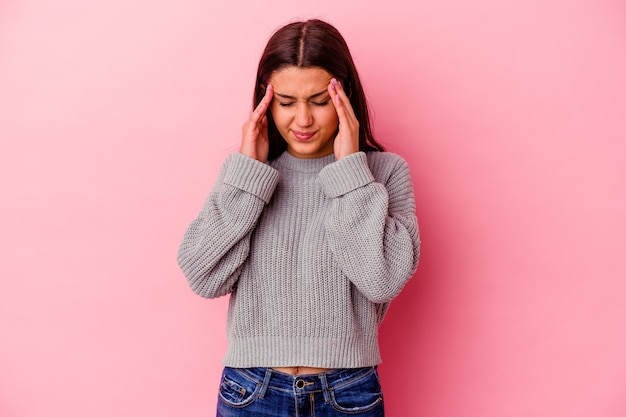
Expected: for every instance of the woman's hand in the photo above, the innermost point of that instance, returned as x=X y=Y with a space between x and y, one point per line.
x=254 y=140
x=347 y=140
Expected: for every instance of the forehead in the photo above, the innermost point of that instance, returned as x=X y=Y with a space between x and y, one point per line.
x=300 y=82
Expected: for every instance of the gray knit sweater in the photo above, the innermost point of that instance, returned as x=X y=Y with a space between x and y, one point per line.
x=311 y=252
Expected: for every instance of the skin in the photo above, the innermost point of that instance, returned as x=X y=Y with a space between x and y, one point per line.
x=311 y=112
x=314 y=116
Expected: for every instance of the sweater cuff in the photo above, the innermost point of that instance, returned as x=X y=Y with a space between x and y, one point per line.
x=251 y=176
x=345 y=175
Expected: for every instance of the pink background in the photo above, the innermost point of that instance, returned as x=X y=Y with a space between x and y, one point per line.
x=114 y=119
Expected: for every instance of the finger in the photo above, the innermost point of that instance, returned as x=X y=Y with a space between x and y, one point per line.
x=260 y=110
x=342 y=104
x=336 y=98
x=345 y=100
x=259 y=113
x=264 y=126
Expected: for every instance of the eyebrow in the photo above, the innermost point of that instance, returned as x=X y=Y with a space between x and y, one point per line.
x=293 y=98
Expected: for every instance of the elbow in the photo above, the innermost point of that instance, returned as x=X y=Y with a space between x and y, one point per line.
x=380 y=298
x=391 y=276
x=387 y=284
x=196 y=280
x=207 y=288
x=209 y=284
x=203 y=291
x=385 y=290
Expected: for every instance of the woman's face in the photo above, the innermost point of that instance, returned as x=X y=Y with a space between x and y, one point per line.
x=303 y=111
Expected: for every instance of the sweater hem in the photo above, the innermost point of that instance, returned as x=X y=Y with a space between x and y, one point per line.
x=317 y=352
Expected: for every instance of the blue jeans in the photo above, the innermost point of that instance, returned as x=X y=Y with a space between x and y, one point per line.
x=264 y=392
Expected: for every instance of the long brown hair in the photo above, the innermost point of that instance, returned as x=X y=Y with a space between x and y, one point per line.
x=313 y=43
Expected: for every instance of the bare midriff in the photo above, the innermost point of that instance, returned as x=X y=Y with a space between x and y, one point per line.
x=300 y=370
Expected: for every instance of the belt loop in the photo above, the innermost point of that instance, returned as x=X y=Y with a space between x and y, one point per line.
x=266 y=383
x=325 y=389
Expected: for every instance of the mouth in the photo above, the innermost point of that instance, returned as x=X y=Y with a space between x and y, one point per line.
x=302 y=136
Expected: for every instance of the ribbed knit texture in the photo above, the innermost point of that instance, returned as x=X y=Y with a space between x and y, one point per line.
x=311 y=250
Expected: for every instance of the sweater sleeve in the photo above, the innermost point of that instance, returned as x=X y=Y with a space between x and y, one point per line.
x=371 y=227
x=217 y=242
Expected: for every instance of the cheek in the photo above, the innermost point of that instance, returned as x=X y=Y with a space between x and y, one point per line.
x=279 y=115
x=328 y=118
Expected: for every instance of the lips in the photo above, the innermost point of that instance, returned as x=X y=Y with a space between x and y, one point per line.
x=302 y=136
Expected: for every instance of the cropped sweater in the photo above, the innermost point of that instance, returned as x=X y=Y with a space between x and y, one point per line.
x=311 y=251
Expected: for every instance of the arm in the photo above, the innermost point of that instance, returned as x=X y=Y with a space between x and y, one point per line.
x=371 y=227
x=217 y=242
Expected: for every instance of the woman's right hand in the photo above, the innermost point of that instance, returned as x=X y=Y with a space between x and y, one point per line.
x=254 y=140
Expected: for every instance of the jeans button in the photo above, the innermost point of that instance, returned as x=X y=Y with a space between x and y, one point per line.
x=300 y=384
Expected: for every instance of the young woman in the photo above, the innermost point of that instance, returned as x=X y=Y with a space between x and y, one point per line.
x=311 y=229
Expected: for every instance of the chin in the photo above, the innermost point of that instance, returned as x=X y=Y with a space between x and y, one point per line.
x=307 y=151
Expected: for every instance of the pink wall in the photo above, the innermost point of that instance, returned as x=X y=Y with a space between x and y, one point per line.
x=115 y=116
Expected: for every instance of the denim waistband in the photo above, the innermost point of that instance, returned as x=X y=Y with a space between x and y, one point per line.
x=327 y=381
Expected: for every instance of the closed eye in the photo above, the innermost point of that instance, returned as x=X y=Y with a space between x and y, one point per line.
x=315 y=103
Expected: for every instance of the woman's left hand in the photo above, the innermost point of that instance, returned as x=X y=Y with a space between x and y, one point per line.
x=347 y=140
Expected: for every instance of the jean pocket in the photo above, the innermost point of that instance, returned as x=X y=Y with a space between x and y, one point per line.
x=358 y=396
x=236 y=389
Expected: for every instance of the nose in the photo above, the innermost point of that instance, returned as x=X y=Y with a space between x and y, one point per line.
x=303 y=117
